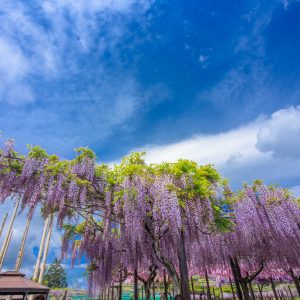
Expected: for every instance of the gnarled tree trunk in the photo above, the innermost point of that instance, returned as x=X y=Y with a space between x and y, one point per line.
x=243 y=282
x=149 y=280
x=164 y=261
x=184 y=274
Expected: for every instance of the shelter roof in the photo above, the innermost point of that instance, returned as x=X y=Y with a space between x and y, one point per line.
x=12 y=282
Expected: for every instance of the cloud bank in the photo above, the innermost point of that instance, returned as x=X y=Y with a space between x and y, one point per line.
x=267 y=148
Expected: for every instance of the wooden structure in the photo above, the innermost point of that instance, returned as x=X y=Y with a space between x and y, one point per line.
x=13 y=283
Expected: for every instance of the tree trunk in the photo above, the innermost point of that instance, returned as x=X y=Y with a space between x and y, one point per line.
x=165 y=262
x=153 y=290
x=221 y=292
x=135 y=288
x=273 y=288
x=207 y=286
x=112 y=292
x=232 y=289
x=260 y=289
x=165 y=286
x=292 y=296
x=296 y=280
x=245 y=289
x=184 y=274
x=214 y=293
x=65 y=295
x=251 y=291
x=171 y=271
x=236 y=279
x=147 y=287
x=193 y=290
x=120 y=290
x=108 y=293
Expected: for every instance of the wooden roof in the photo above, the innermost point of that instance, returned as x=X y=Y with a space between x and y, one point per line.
x=15 y=283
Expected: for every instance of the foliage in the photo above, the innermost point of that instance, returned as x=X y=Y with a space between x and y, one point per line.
x=55 y=276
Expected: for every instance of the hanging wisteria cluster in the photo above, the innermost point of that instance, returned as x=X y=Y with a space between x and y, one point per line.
x=152 y=218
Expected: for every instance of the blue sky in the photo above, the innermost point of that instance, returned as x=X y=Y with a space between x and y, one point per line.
x=213 y=81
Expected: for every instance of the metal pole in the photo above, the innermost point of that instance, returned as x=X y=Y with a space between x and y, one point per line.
x=22 y=247
x=43 y=265
x=3 y=223
x=3 y=251
x=38 y=261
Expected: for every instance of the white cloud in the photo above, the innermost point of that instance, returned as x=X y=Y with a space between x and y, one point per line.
x=12 y=61
x=235 y=153
x=281 y=134
x=203 y=58
x=42 y=42
x=95 y=6
x=14 y=67
x=286 y=3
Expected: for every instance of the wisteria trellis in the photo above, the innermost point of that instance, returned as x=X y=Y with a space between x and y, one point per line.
x=151 y=218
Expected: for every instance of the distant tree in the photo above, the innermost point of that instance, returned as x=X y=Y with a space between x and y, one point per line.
x=55 y=276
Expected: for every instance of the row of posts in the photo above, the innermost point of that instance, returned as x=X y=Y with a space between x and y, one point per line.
x=209 y=293
x=40 y=265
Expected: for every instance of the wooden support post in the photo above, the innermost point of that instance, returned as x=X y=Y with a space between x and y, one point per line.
x=22 y=246
x=38 y=261
x=6 y=246
x=43 y=264
x=3 y=224
x=8 y=234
